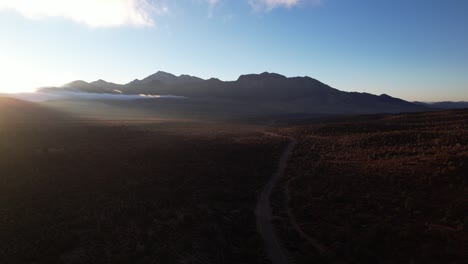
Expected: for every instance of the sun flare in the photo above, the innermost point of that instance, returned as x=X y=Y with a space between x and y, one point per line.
x=20 y=77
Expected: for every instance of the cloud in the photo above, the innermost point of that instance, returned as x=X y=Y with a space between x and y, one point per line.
x=94 y=13
x=44 y=96
x=267 y=5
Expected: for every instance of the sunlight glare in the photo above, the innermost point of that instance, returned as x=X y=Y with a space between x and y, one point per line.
x=18 y=76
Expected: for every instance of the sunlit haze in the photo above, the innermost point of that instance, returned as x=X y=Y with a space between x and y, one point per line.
x=25 y=76
x=415 y=50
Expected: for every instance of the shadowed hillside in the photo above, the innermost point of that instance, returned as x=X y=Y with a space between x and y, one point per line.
x=280 y=94
x=15 y=112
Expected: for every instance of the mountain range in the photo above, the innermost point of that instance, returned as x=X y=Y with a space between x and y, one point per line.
x=444 y=105
x=280 y=94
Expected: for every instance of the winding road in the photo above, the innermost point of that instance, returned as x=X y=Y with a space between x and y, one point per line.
x=272 y=245
x=273 y=248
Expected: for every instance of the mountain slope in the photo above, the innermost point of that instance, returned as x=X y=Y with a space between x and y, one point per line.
x=14 y=112
x=107 y=86
x=271 y=90
x=167 y=78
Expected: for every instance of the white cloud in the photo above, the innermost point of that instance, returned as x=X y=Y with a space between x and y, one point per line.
x=267 y=5
x=94 y=13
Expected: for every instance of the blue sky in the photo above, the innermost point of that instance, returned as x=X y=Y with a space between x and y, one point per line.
x=413 y=49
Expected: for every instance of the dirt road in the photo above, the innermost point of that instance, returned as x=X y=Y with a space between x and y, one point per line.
x=273 y=248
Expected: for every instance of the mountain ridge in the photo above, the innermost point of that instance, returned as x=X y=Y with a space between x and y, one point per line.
x=292 y=94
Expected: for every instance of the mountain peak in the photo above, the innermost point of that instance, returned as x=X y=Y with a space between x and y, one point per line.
x=262 y=76
x=189 y=78
x=78 y=83
x=98 y=82
x=163 y=74
x=104 y=84
x=160 y=76
x=169 y=78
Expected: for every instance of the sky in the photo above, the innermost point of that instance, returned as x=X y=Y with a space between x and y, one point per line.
x=412 y=49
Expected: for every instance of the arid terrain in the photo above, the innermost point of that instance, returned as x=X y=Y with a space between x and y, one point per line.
x=233 y=132
x=145 y=191
x=377 y=189
x=349 y=189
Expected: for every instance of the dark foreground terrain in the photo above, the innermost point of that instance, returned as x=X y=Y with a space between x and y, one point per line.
x=362 y=189
x=129 y=191
x=377 y=189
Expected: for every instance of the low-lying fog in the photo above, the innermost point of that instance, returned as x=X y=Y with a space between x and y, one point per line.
x=41 y=97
